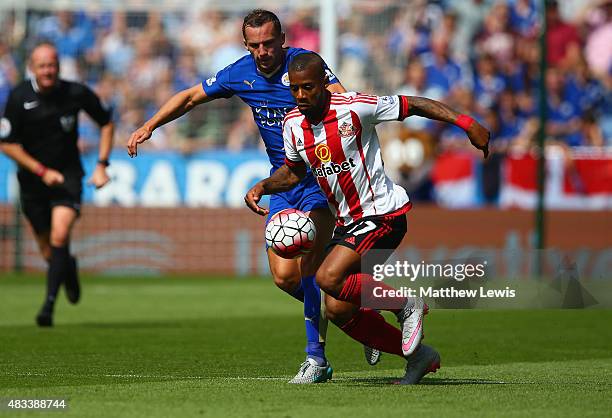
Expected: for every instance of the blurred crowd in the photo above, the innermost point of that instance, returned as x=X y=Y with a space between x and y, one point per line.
x=479 y=56
x=483 y=58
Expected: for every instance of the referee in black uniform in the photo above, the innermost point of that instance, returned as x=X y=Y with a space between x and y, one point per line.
x=39 y=130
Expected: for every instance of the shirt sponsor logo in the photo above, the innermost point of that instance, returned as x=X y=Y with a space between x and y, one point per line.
x=30 y=105
x=285 y=79
x=323 y=153
x=270 y=116
x=5 y=128
x=334 y=168
x=346 y=130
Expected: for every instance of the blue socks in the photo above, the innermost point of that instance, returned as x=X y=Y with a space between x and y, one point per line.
x=315 y=347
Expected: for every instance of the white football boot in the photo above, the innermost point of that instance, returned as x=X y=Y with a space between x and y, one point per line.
x=372 y=355
x=411 y=321
x=311 y=372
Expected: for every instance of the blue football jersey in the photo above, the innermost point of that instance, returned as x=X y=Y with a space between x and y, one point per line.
x=269 y=97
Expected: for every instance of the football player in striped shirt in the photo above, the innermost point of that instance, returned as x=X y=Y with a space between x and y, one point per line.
x=334 y=135
x=261 y=80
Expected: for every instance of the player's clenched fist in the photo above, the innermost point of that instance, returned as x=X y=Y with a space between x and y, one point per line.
x=99 y=177
x=52 y=177
x=138 y=137
x=479 y=137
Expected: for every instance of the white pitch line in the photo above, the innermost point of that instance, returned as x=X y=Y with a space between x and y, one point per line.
x=169 y=377
x=269 y=378
x=142 y=376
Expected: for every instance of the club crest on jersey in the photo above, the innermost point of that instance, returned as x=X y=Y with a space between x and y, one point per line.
x=285 y=79
x=67 y=122
x=346 y=130
x=323 y=153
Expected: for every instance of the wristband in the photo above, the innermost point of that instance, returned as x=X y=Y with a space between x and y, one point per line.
x=105 y=163
x=40 y=170
x=464 y=122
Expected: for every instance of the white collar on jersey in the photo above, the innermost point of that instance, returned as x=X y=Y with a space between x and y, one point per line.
x=35 y=84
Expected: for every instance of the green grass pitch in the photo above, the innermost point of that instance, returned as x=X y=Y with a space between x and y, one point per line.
x=180 y=347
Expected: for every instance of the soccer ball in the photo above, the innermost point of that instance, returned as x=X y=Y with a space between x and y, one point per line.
x=290 y=233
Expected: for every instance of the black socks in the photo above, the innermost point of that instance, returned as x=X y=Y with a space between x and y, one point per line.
x=59 y=267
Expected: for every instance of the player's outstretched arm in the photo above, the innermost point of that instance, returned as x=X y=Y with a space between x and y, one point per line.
x=283 y=179
x=479 y=135
x=176 y=106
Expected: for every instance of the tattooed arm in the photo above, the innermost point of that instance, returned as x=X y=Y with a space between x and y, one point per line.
x=420 y=106
x=283 y=179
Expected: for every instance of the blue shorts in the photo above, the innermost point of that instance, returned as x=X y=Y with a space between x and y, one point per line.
x=305 y=196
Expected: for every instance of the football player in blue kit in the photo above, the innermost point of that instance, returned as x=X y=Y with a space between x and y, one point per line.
x=261 y=80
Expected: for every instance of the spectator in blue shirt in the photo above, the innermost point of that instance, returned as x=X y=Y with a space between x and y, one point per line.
x=442 y=71
x=563 y=115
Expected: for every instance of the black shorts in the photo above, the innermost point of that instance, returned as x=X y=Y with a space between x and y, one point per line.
x=382 y=233
x=37 y=199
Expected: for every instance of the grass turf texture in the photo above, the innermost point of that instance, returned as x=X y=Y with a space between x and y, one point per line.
x=189 y=347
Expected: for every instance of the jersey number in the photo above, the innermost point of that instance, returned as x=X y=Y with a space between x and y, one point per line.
x=362 y=228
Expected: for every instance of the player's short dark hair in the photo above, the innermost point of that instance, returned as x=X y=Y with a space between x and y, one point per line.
x=259 y=17
x=302 y=61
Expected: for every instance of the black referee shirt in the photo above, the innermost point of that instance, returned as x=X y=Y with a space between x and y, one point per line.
x=46 y=125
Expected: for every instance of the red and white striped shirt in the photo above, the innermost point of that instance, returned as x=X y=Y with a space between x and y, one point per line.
x=343 y=153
